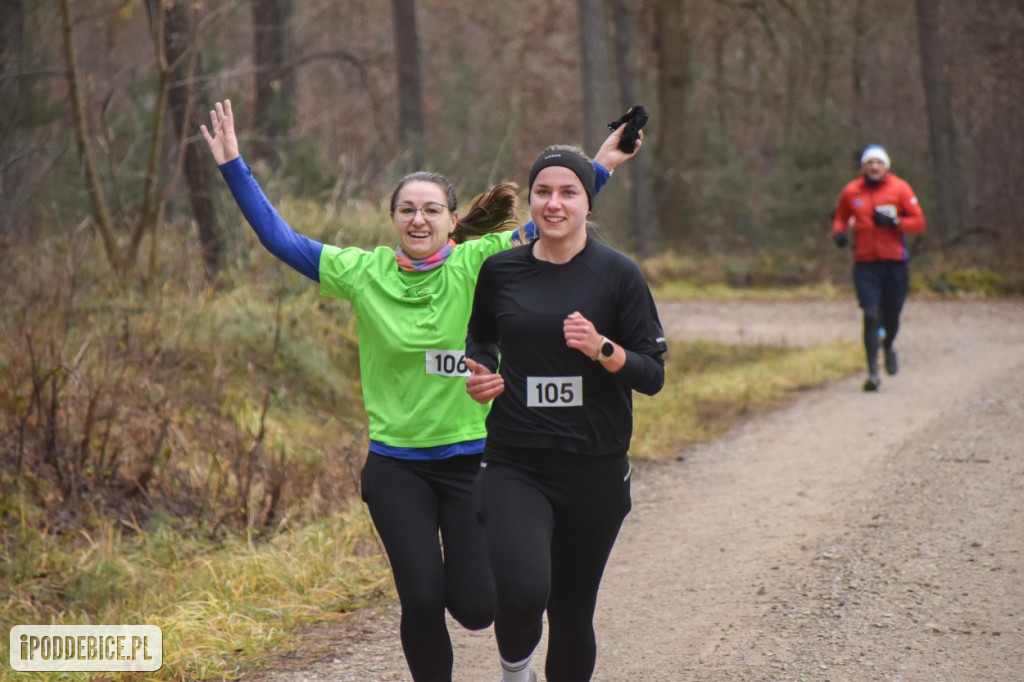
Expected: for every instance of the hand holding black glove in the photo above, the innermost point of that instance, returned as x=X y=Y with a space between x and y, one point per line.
x=635 y=119
x=884 y=219
x=841 y=240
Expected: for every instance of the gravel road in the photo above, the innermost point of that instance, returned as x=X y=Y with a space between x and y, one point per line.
x=845 y=537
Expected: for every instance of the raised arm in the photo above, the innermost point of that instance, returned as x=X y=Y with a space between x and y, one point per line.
x=609 y=155
x=223 y=143
x=277 y=236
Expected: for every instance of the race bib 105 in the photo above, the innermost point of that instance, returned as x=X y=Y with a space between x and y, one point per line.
x=554 y=391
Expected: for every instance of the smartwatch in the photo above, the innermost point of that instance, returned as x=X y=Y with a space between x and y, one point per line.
x=607 y=349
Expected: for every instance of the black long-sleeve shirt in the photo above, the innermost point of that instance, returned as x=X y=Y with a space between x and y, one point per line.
x=555 y=397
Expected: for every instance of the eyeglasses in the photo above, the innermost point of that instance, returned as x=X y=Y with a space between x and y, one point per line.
x=431 y=212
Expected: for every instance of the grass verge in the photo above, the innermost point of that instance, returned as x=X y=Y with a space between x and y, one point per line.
x=223 y=607
x=710 y=386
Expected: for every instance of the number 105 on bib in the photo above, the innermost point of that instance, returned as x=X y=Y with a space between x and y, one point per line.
x=554 y=391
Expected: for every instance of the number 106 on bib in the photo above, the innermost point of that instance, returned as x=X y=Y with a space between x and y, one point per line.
x=449 y=363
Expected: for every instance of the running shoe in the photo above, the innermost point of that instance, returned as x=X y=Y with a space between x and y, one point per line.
x=872 y=383
x=533 y=677
x=892 y=361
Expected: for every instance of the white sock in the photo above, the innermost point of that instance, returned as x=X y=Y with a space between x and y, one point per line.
x=516 y=672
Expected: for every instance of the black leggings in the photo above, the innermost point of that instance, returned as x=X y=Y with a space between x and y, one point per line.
x=551 y=519
x=881 y=291
x=410 y=501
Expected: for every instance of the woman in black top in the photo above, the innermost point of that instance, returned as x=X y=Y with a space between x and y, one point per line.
x=579 y=332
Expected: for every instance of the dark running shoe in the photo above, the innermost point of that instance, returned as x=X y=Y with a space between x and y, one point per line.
x=892 y=361
x=872 y=383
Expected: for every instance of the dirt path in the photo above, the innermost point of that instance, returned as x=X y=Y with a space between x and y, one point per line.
x=846 y=537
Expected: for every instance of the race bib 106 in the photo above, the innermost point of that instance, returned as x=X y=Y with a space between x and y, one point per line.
x=554 y=391
x=448 y=363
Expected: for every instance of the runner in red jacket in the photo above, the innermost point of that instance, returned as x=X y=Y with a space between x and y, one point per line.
x=880 y=209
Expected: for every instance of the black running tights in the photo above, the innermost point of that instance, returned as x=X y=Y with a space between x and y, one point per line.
x=881 y=291
x=410 y=502
x=551 y=519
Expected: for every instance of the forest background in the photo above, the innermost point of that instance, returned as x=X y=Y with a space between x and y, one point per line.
x=162 y=379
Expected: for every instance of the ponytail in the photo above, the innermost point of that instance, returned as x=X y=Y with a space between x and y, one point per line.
x=492 y=211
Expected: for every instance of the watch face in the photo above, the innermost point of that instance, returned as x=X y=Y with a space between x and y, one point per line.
x=607 y=349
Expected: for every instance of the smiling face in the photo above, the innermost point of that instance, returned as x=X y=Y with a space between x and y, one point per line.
x=559 y=205
x=422 y=218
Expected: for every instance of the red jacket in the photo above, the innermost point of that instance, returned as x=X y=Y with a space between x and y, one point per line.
x=857 y=204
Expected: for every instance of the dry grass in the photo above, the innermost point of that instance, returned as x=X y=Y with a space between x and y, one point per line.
x=220 y=605
x=710 y=386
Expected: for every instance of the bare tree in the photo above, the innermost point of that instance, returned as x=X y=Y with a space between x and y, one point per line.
x=93 y=181
x=859 y=68
x=411 y=129
x=274 y=106
x=150 y=206
x=182 y=55
x=11 y=17
x=988 y=102
x=640 y=166
x=596 y=69
x=672 y=52
x=825 y=18
x=940 y=120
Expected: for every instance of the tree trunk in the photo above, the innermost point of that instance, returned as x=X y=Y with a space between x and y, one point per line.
x=858 y=69
x=148 y=206
x=640 y=165
x=179 y=40
x=12 y=16
x=410 y=92
x=93 y=182
x=596 y=71
x=274 y=106
x=826 y=20
x=672 y=54
x=940 y=121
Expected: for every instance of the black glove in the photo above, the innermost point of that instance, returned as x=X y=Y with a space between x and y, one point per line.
x=635 y=119
x=883 y=220
x=841 y=239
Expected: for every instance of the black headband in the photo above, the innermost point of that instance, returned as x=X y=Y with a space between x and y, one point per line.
x=583 y=169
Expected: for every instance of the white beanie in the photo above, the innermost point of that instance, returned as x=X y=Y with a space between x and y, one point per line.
x=874 y=151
